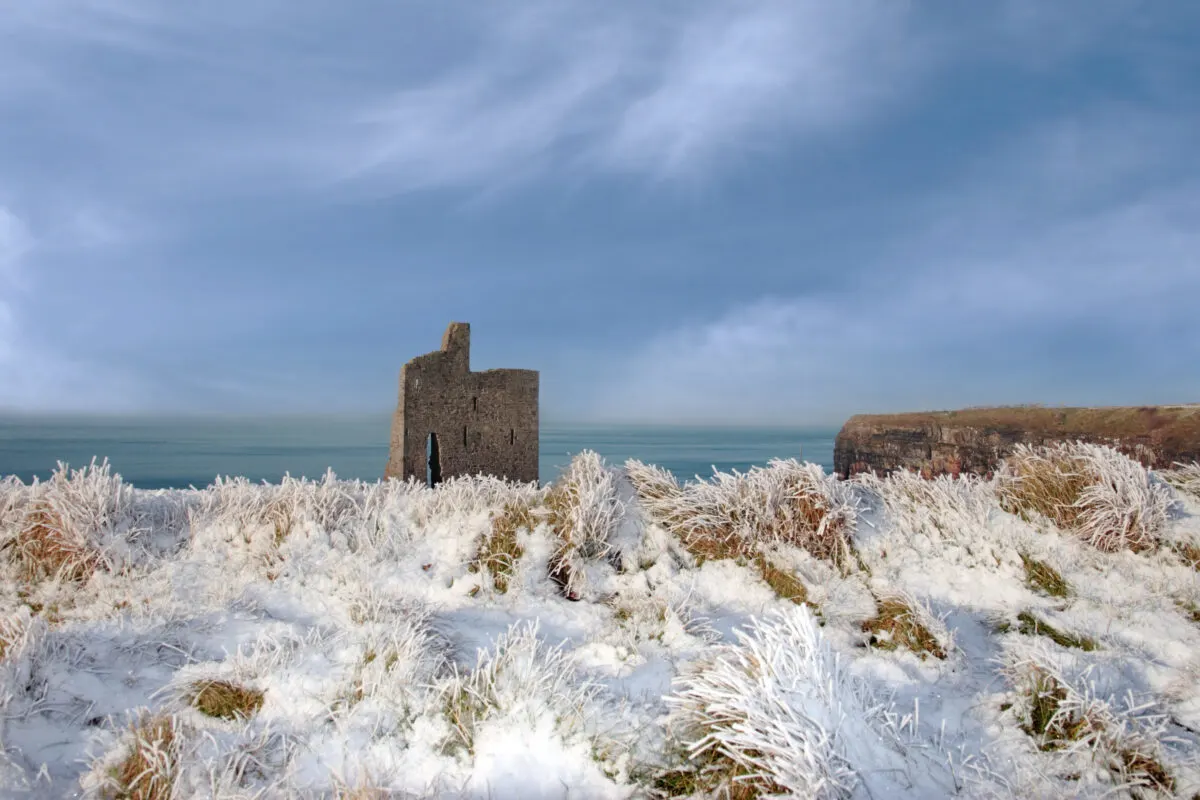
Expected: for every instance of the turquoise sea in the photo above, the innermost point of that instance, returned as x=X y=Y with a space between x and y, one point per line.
x=177 y=452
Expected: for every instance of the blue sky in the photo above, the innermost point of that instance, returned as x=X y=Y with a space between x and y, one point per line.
x=678 y=211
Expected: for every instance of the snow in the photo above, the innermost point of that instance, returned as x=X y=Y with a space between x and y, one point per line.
x=386 y=663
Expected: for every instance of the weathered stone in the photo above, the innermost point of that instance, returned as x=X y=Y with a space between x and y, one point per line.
x=470 y=423
x=976 y=440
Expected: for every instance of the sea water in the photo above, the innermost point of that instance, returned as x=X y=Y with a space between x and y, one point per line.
x=177 y=452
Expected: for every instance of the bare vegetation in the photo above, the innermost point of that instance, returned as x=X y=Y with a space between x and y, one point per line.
x=1043 y=578
x=896 y=624
x=150 y=769
x=1061 y=715
x=785 y=584
x=583 y=511
x=500 y=549
x=225 y=700
x=1029 y=625
x=1185 y=478
x=373 y=599
x=735 y=514
x=1093 y=491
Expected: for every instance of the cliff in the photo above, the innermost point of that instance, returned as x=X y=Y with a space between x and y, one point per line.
x=977 y=439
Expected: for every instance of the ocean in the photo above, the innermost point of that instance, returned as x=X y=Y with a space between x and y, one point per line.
x=177 y=452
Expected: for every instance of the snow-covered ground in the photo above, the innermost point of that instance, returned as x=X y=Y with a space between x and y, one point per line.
x=589 y=639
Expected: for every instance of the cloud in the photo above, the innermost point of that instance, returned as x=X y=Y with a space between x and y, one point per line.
x=525 y=88
x=1063 y=269
x=33 y=373
x=15 y=243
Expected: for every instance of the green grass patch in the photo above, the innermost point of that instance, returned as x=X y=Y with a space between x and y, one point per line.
x=1029 y=625
x=1043 y=578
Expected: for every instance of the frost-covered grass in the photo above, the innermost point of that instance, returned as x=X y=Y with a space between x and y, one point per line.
x=615 y=634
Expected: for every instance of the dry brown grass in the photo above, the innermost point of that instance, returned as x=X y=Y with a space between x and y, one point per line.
x=500 y=551
x=150 y=769
x=224 y=700
x=11 y=631
x=1145 y=771
x=1189 y=552
x=1049 y=486
x=45 y=549
x=785 y=584
x=713 y=543
x=896 y=625
x=558 y=507
x=712 y=773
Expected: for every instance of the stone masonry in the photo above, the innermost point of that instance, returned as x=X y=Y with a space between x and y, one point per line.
x=450 y=421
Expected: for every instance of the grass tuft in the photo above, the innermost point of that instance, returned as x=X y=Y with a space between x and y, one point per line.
x=12 y=631
x=735 y=514
x=151 y=768
x=1029 y=625
x=45 y=549
x=1189 y=553
x=785 y=584
x=500 y=551
x=582 y=509
x=1050 y=723
x=1145 y=771
x=1190 y=610
x=224 y=700
x=1103 y=496
x=713 y=773
x=1043 y=578
x=1184 y=477
x=896 y=625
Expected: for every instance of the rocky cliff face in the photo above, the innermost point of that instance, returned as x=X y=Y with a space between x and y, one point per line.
x=976 y=440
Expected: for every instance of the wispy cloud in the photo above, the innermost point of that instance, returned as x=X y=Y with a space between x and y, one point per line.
x=238 y=127
x=1067 y=261
x=670 y=91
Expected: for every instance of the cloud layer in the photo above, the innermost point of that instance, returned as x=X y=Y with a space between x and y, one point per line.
x=785 y=211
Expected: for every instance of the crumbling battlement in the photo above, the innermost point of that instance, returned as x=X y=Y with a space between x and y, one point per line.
x=450 y=421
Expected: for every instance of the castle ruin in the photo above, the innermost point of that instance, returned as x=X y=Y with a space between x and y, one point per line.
x=450 y=421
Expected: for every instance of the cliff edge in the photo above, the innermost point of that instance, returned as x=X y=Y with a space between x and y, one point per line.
x=977 y=439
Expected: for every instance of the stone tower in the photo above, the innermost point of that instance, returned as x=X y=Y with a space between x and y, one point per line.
x=451 y=421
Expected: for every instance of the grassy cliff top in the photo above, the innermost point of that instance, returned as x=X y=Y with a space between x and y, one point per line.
x=1160 y=421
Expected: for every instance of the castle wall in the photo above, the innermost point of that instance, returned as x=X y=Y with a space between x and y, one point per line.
x=485 y=422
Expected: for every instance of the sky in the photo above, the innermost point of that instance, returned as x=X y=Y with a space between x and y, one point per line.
x=777 y=212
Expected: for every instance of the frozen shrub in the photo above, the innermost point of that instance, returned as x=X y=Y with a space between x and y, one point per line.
x=1094 y=491
x=583 y=511
x=500 y=548
x=520 y=678
x=1064 y=714
x=1185 y=478
x=943 y=507
x=774 y=714
x=736 y=513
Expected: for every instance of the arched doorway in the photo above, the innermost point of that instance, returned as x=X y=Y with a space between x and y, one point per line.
x=433 y=461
